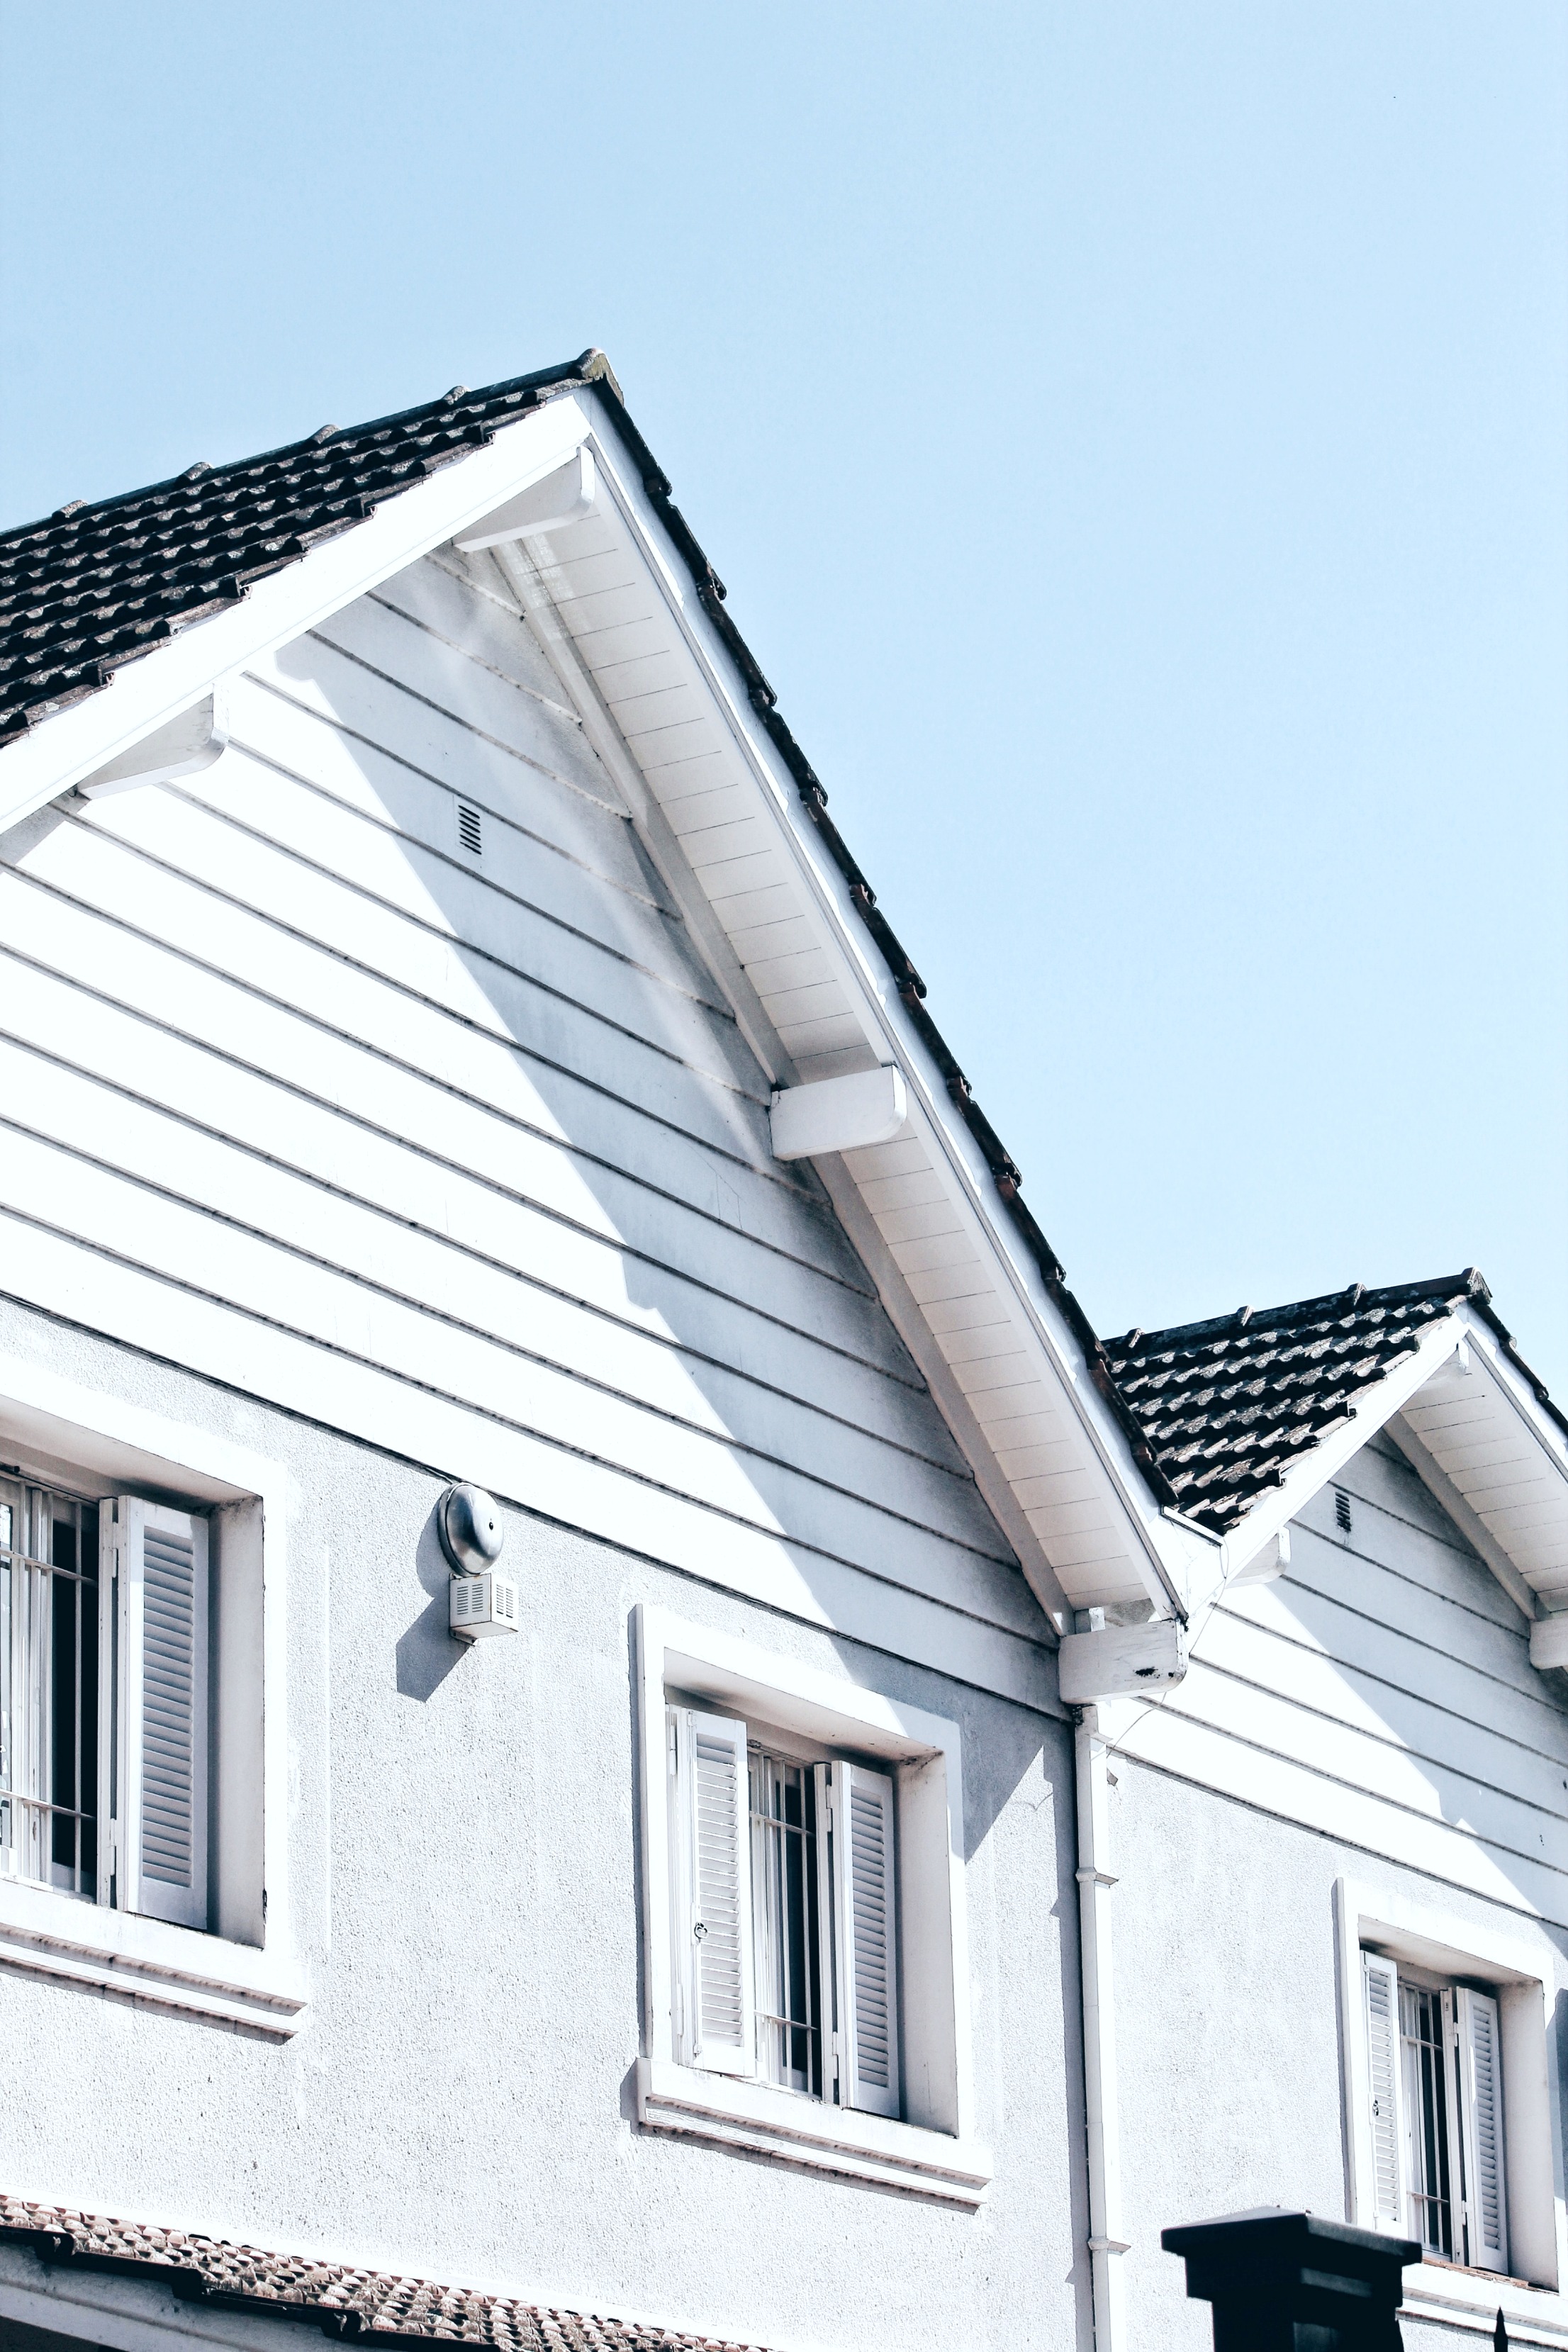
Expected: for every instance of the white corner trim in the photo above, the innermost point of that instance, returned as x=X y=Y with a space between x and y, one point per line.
x=46 y=1934
x=59 y=751
x=1376 y=1406
x=811 y=2132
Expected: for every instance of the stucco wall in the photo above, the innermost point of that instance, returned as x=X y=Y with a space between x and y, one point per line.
x=463 y=1880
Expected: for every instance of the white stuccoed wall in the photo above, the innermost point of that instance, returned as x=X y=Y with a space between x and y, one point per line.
x=463 y=1868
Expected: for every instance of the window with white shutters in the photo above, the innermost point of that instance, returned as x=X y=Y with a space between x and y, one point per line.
x=784 y=1915
x=1435 y=2109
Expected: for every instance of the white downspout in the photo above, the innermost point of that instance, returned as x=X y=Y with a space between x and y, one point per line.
x=1094 y=1885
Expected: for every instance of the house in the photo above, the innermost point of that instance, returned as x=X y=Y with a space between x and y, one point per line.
x=622 y=1728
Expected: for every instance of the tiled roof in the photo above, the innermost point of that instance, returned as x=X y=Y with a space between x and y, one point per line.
x=1229 y=1406
x=345 y=2302
x=93 y=586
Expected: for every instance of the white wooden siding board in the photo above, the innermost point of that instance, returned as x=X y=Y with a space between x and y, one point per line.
x=1019 y=1437
x=430 y=1272
x=646 y=713
x=919 y=1188
x=744 y=906
x=1524 y=1519
x=265 y=1283
x=609 y=613
x=745 y=877
x=644 y=673
x=979 y=1343
x=592 y=575
x=798 y=1008
x=273 y=717
x=673 y=780
x=422 y=984
x=559 y=999
x=1293 y=1792
x=1445 y=1565
x=374 y=1047
x=905 y=1156
x=572 y=542
x=1406 y=1606
x=1053 y=1459
x=762 y=943
x=718 y=845
x=443 y=744
x=1101 y=1547
x=1344 y=1752
x=626 y=642
x=1440 y=1414
x=843 y=1035
x=1002 y=1386
x=1053 y=1521
x=427 y=882
x=1449 y=1680
x=774 y=977
x=1492 y=1449
x=436 y=679
x=944 y=1253
x=318 y=1139
x=962 y=1278
x=660 y=747
x=1053 y=1488
x=1347 y=1692
x=950 y=1318
x=581 y=833
x=474 y=620
x=700 y=813
x=64 y=1279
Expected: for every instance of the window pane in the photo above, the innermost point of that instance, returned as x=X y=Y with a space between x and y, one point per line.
x=785 y=1912
x=1426 y=2096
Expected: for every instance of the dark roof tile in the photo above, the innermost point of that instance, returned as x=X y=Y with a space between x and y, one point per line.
x=351 y=2301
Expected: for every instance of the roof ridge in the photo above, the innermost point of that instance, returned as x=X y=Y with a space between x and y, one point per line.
x=1356 y=1298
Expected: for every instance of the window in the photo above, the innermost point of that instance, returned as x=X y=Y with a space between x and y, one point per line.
x=103 y=1699
x=1434 y=2071
x=785 y=1918
x=804 y=1965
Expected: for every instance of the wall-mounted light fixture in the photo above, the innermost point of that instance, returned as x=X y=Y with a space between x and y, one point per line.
x=480 y=1600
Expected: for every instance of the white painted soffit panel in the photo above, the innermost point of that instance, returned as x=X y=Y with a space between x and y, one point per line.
x=150 y=692
x=662 y=700
x=1504 y=1461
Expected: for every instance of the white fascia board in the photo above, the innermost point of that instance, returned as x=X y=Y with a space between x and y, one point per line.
x=1165 y=1552
x=159 y=684
x=1374 y=1407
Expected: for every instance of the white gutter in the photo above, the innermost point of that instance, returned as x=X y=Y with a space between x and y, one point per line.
x=1095 y=1882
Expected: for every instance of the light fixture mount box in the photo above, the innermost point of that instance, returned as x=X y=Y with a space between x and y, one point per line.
x=482 y=1605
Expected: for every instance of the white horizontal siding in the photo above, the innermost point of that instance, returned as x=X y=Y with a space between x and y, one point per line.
x=430 y=1147
x=1381 y=1693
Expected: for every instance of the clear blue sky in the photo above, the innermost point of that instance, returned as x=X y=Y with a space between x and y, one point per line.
x=1135 y=439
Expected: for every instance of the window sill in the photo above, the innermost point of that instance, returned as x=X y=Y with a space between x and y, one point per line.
x=1463 y=2297
x=808 y=2132
x=58 y=1936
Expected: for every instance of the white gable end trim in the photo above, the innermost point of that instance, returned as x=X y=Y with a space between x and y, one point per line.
x=149 y=693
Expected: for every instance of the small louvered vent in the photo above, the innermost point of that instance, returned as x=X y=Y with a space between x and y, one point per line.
x=469 y=832
x=1342 y=1510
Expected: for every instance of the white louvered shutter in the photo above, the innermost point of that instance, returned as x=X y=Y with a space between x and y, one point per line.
x=1386 y=2151
x=711 y=1902
x=865 y=1928
x=158 y=1614
x=1481 y=2098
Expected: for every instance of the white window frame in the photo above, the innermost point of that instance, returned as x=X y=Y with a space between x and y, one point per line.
x=247 y=1973
x=1520 y=1965
x=932 y=2151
